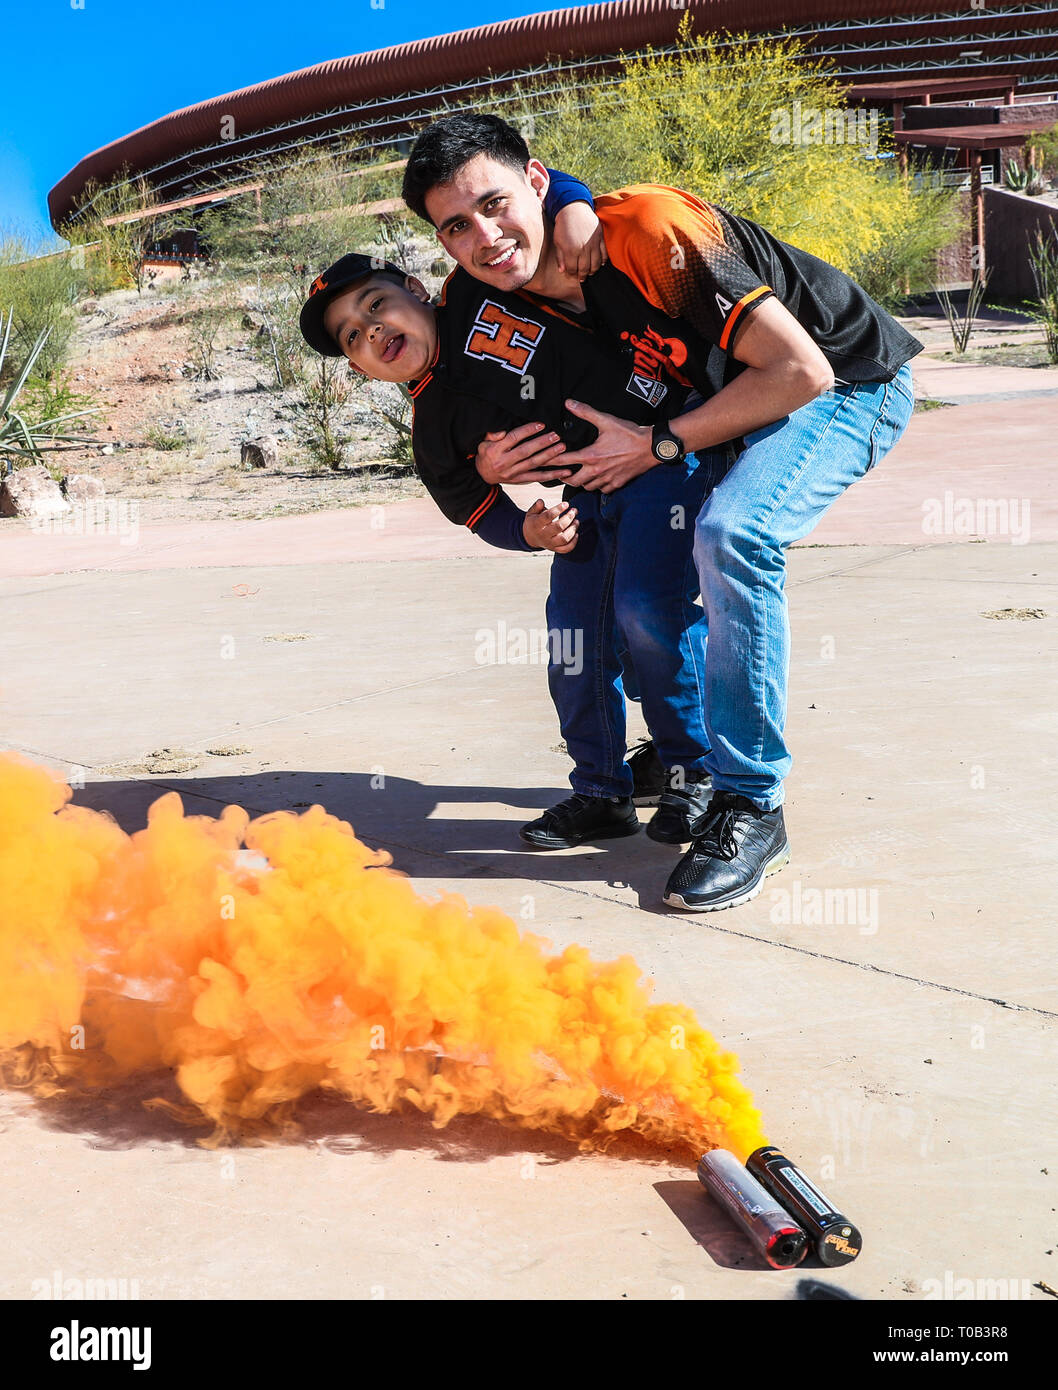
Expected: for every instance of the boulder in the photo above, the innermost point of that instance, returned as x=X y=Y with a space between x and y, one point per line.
x=262 y=452
x=79 y=487
x=32 y=492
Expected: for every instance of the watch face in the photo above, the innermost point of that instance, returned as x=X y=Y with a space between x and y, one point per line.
x=667 y=449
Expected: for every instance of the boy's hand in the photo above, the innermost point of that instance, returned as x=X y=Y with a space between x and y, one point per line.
x=517 y=455
x=578 y=238
x=551 y=528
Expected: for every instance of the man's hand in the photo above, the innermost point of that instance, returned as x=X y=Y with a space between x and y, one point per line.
x=517 y=455
x=578 y=238
x=551 y=528
x=621 y=452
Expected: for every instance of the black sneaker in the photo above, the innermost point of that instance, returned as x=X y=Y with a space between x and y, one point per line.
x=682 y=810
x=581 y=820
x=736 y=846
x=648 y=774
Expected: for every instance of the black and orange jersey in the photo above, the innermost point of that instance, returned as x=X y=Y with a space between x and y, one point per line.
x=709 y=270
x=503 y=361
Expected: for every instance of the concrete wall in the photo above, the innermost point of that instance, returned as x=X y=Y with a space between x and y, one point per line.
x=1011 y=223
x=952 y=270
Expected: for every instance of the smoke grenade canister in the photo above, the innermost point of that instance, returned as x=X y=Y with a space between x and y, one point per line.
x=834 y=1238
x=773 y=1231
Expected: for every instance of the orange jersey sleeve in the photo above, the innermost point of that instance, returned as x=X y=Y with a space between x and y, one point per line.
x=673 y=247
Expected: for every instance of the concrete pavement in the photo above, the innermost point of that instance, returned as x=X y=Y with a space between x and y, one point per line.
x=908 y=1055
x=902 y=1050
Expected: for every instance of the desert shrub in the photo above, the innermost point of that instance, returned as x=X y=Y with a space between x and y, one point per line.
x=392 y=402
x=322 y=422
x=308 y=214
x=117 y=225
x=279 y=241
x=1043 y=258
x=39 y=288
x=166 y=437
x=38 y=416
x=1045 y=143
x=202 y=327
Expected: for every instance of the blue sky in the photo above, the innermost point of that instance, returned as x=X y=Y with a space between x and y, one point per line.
x=80 y=73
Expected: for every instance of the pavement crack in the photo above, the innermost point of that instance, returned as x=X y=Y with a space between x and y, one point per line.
x=895 y=554
x=487 y=870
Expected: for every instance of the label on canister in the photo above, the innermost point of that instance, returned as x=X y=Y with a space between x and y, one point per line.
x=800 y=1184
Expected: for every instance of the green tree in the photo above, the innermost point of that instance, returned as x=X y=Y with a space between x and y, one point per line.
x=39 y=286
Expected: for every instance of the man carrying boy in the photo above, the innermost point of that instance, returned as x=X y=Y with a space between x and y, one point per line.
x=486 y=362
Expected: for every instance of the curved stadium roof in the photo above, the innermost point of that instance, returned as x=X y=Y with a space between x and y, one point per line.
x=379 y=97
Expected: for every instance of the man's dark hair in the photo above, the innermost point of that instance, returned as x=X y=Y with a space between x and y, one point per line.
x=444 y=147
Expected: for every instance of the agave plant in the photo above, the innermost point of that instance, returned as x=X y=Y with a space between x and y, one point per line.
x=1016 y=177
x=21 y=441
x=1028 y=180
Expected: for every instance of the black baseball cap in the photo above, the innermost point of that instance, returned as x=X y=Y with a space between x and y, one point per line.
x=335 y=278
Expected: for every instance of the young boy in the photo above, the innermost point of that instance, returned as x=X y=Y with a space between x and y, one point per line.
x=482 y=361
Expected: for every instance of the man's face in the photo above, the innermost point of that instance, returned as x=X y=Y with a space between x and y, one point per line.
x=490 y=218
x=387 y=331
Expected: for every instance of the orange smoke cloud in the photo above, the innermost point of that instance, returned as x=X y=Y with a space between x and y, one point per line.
x=124 y=954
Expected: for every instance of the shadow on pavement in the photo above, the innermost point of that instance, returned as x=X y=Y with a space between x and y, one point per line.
x=406 y=818
x=145 y=1111
x=710 y=1225
x=730 y=1247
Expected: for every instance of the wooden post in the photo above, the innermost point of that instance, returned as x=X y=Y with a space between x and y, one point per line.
x=898 y=115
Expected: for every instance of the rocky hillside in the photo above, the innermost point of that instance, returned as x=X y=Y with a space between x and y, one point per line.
x=174 y=442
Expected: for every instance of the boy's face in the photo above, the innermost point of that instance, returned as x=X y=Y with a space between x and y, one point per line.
x=387 y=330
x=490 y=218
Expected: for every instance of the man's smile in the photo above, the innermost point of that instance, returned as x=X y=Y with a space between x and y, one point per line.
x=498 y=262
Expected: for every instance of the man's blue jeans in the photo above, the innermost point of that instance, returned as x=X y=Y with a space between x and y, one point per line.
x=785 y=479
x=630 y=584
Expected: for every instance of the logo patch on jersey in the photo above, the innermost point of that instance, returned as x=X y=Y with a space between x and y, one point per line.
x=724 y=305
x=503 y=337
x=653 y=354
x=653 y=392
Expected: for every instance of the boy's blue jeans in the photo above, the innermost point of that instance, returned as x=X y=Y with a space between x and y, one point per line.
x=784 y=480
x=630 y=586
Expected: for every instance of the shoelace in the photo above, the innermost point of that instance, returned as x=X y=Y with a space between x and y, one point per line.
x=717 y=836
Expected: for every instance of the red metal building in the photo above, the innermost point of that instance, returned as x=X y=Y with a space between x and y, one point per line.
x=379 y=97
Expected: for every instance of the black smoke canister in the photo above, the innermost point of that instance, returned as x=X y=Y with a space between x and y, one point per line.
x=834 y=1238
x=772 y=1229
